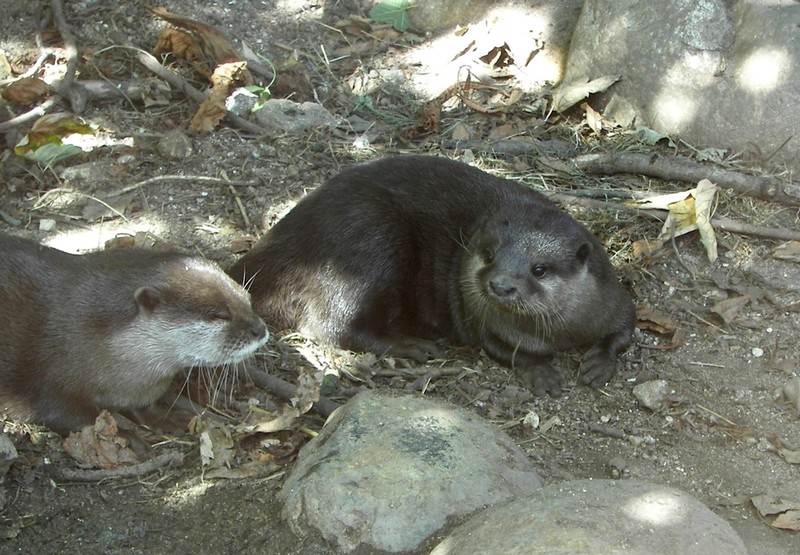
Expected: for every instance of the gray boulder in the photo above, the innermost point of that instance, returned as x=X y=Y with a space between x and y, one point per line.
x=716 y=73
x=587 y=517
x=386 y=472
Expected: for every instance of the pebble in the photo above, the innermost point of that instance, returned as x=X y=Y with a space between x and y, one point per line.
x=175 y=145
x=653 y=394
x=791 y=389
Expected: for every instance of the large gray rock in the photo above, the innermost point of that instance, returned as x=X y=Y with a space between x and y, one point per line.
x=716 y=73
x=587 y=517
x=387 y=472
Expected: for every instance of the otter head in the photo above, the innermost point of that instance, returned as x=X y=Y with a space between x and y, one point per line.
x=199 y=315
x=529 y=267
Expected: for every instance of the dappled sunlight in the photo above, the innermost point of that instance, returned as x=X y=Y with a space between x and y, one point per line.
x=763 y=70
x=445 y=60
x=673 y=110
x=94 y=237
x=656 y=509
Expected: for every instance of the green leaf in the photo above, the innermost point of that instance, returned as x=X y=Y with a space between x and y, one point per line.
x=51 y=154
x=392 y=12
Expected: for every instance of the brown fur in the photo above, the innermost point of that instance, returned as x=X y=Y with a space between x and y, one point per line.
x=387 y=256
x=109 y=330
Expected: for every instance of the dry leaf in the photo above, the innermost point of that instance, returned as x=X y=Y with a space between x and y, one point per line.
x=787 y=511
x=270 y=423
x=728 y=309
x=26 y=91
x=653 y=320
x=216 y=446
x=570 y=94
x=688 y=211
x=790 y=520
x=208 y=48
x=788 y=251
x=498 y=57
x=224 y=80
x=593 y=118
x=99 y=446
x=646 y=247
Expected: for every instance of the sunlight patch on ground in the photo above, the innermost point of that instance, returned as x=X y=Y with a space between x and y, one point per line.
x=445 y=60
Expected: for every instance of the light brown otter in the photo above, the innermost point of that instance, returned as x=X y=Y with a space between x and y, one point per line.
x=111 y=329
x=387 y=256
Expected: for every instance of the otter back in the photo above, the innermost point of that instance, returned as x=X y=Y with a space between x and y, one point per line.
x=110 y=329
x=387 y=256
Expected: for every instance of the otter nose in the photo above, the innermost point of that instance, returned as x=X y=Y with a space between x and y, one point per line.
x=502 y=289
x=259 y=330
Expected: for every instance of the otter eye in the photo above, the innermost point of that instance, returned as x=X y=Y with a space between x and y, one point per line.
x=488 y=255
x=539 y=270
x=219 y=315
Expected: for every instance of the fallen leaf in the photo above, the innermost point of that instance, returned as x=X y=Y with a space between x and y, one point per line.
x=393 y=12
x=498 y=57
x=224 y=80
x=100 y=446
x=646 y=247
x=787 y=511
x=206 y=47
x=728 y=309
x=269 y=423
x=653 y=320
x=216 y=445
x=651 y=136
x=593 y=118
x=790 y=520
x=569 y=94
x=788 y=251
x=688 y=211
x=26 y=91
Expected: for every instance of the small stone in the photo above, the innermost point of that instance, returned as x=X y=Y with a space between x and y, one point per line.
x=175 y=145
x=617 y=466
x=241 y=102
x=791 y=389
x=653 y=395
x=757 y=352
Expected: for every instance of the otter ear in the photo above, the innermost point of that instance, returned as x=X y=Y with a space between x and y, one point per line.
x=147 y=298
x=583 y=252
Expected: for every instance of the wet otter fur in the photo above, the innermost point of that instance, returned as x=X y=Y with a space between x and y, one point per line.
x=390 y=255
x=111 y=329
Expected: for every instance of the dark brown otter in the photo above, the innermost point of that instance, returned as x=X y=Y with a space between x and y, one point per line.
x=110 y=330
x=387 y=256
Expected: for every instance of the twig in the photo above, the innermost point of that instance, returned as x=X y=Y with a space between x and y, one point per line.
x=148 y=61
x=285 y=390
x=193 y=178
x=722 y=224
x=63 y=87
x=606 y=431
x=507 y=147
x=683 y=169
x=239 y=204
x=170 y=458
x=732 y=226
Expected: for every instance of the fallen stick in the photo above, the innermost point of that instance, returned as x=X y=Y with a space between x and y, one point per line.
x=170 y=458
x=285 y=390
x=684 y=169
x=149 y=61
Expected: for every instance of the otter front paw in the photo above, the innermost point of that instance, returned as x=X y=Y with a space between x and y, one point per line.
x=597 y=367
x=542 y=379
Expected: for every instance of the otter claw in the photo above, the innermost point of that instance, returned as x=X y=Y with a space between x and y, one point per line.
x=597 y=368
x=543 y=380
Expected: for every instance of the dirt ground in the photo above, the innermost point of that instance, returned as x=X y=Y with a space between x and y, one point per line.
x=723 y=437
